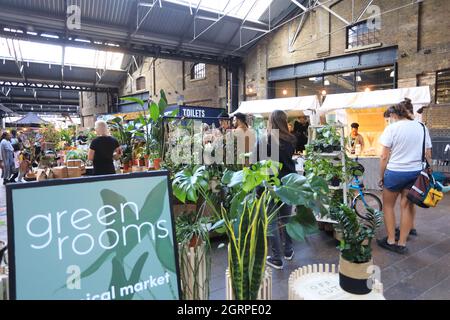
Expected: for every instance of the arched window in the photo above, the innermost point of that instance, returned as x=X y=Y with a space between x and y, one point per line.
x=140 y=83
x=198 y=71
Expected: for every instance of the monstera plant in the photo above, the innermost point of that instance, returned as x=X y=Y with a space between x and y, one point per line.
x=257 y=195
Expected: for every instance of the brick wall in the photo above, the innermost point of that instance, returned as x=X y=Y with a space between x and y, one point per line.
x=420 y=31
x=437 y=119
x=92 y=104
x=174 y=78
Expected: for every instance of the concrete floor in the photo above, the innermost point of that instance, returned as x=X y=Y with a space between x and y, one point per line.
x=422 y=274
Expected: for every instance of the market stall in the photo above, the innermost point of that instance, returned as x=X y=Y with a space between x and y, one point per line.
x=294 y=107
x=366 y=109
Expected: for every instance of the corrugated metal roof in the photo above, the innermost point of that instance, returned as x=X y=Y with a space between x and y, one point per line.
x=114 y=12
x=113 y=20
x=48 y=6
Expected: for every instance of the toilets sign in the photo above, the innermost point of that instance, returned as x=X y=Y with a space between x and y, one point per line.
x=98 y=238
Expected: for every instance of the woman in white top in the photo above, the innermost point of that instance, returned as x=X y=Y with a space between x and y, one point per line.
x=400 y=164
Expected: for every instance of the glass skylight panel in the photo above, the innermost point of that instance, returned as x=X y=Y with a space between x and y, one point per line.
x=52 y=54
x=236 y=8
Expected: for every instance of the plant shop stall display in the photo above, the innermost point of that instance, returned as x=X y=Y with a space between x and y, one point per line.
x=294 y=107
x=142 y=139
x=325 y=157
x=256 y=196
x=366 y=109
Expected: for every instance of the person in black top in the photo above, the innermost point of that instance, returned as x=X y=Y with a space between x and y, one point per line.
x=102 y=150
x=301 y=132
x=286 y=145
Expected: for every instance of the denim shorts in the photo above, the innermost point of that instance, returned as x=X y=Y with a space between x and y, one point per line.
x=399 y=180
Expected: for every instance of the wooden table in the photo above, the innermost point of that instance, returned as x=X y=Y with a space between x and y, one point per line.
x=321 y=282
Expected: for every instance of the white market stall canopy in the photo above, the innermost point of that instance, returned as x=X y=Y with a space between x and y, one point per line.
x=420 y=96
x=295 y=106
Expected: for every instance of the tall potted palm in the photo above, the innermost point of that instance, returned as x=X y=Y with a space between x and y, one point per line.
x=150 y=122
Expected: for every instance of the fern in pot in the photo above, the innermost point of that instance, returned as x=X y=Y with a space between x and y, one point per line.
x=355 y=248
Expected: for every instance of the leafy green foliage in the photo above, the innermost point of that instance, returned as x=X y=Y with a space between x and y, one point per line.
x=150 y=122
x=357 y=234
x=190 y=225
x=302 y=224
x=247 y=249
x=49 y=133
x=76 y=154
x=189 y=182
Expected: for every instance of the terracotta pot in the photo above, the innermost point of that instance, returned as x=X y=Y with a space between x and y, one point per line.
x=126 y=167
x=157 y=163
x=353 y=277
x=195 y=241
x=130 y=164
x=141 y=162
x=146 y=161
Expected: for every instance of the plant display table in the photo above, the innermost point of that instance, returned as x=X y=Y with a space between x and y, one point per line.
x=321 y=282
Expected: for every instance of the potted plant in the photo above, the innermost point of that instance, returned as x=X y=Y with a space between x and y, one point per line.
x=249 y=212
x=194 y=255
x=258 y=195
x=327 y=140
x=150 y=123
x=322 y=167
x=190 y=185
x=124 y=133
x=355 y=248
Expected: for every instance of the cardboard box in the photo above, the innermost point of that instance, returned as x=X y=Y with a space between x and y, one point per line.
x=76 y=163
x=74 y=172
x=60 y=172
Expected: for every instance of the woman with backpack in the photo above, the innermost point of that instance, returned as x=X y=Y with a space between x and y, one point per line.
x=400 y=165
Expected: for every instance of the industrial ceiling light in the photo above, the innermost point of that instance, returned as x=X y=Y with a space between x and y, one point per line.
x=358 y=78
x=326 y=82
x=367 y=89
x=392 y=74
x=284 y=92
x=324 y=92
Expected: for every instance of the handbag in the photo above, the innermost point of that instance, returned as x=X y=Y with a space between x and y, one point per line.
x=425 y=192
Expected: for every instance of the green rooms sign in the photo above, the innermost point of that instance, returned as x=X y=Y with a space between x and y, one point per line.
x=106 y=238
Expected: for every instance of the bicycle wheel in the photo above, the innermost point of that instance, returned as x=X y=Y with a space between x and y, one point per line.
x=371 y=201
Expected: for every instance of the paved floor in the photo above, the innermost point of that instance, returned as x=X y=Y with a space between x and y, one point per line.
x=422 y=274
